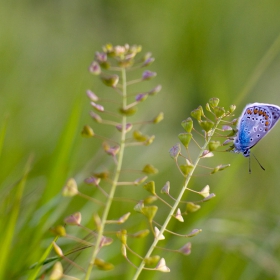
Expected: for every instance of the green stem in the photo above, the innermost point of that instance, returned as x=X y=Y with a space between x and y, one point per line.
x=114 y=182
x=175 y=206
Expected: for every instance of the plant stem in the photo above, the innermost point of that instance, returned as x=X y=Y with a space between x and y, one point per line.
x=173 y=209
x=114 y=182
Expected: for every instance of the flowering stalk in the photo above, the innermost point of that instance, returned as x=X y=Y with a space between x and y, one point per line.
x=114 y=182
x=175 y=206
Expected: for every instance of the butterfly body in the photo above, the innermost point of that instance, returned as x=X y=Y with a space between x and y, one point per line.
x=256 y=120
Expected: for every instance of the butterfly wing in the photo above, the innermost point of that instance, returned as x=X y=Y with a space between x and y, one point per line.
x=255 y=122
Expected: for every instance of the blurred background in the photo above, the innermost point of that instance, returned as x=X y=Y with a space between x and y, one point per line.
x=203 y=49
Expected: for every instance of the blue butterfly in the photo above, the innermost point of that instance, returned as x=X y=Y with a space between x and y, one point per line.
x=255 y=122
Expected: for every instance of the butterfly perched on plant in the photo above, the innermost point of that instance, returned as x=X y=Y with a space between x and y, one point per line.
x=256 y=120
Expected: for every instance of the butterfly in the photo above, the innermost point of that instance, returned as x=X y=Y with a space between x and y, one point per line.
x=256 y=120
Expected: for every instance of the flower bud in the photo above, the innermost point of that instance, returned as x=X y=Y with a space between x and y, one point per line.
x=148 y=61
x=128 y=127
x=194 y=232
x=97 y=107
x=92 y=180
x=158 y=118
x=141 y=97
x=96 y=117
x=71 y=188
x=74 y=220
x=57 y=249
x=186 y=249
x=158 y=235
x=57 y=271
x=92 y=96
x=101 y=58
x=155 y=90
x=139 y=206
x=161 y=266
x=147 y=75
x=175 y=151
x=207 y=154
x=166 y=188
x=94 y=68
x=232 y=108
x=205 y=191
x=179 y=216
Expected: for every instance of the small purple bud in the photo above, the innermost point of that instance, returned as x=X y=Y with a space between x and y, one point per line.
x=226 y=127
x=128 y=127
x=141 y=97
x=186 y=249
x=92 y=96
x=175 y=151
x=147 y=75
x=96 y=117
x=92 y=180
x=228 y=141
x=148 y=61
x=155 y=90
x=101 y=57
x=207 y=154
x=94 y=68
x=98 y=107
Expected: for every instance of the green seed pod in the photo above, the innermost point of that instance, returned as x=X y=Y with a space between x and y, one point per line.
x=191 y=207
x=196 y=114
x=206 y=125
x=129 y=111
x=87 y=131
x=213 y=145
x=219 y=111
x=187 y=124
x=151 y=261
x=103 y=265
x=232 y=108
x=185 y=138
x=149 y=169
x=214 y=102
x=150 y=212
x=110 y=81
x=150 y=187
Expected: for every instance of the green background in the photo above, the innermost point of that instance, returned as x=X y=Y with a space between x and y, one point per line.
x=203 y=49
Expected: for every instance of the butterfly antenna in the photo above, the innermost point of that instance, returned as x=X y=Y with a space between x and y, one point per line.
x=250 y=165
x=258 y=163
